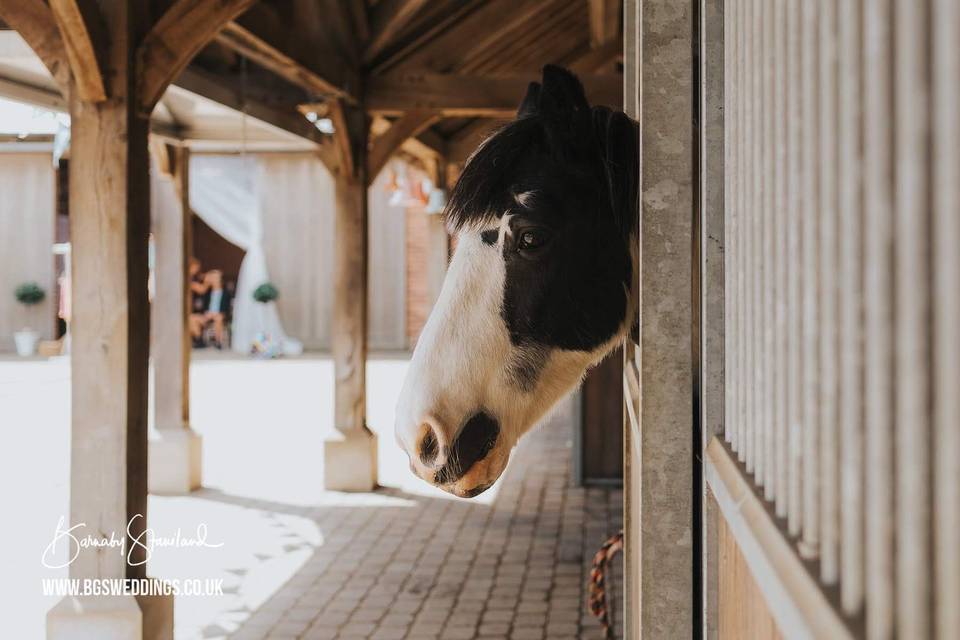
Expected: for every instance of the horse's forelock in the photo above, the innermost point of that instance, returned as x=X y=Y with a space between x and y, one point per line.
x=482 y=192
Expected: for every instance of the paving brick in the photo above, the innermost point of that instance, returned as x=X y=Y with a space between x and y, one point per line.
x=453 y=570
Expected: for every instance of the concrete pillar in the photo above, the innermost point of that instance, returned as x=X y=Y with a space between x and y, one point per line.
x=175 y=450
x=662 y=491
x=350 y=453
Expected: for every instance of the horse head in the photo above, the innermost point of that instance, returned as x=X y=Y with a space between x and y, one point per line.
x=539 y=289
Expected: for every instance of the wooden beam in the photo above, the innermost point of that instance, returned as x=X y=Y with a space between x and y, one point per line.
x=389 y=17
x=408 y=126
x=350 y=456
x=31 y=94
x=185 y=28
x=34 y=21
x=231 y=94
x=82 y=31
x=343 y=145
x=425 y=148
x=251 y=46
x=604 y=21
x=457 y=95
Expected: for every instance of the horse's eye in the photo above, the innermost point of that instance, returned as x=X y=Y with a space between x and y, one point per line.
x=531 y=240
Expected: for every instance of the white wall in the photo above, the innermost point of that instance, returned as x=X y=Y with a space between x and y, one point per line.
x=298 y=200
x=27 y=212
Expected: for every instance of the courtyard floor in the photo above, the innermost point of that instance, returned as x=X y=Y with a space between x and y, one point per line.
x=405 y=561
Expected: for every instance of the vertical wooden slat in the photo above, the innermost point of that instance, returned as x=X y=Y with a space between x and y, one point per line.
x=781 y=266
x=878 y=314
x=741 y=235
x=756 y=174
x=829 y=496
x=851 y=231
x=729 y=221
x=809 y=267
x=794 y=372
x=769 y=215
x=749 y=169
x=912 y=319
x=946 y=293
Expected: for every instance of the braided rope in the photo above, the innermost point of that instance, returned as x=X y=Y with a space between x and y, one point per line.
x=598 y=604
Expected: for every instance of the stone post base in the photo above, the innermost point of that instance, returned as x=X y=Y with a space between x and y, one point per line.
x=350 y=461
x=175 y=462
x=114 y=617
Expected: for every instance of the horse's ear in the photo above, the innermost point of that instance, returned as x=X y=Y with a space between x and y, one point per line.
x=562 y=97
x=619 y=141
x=531 y=101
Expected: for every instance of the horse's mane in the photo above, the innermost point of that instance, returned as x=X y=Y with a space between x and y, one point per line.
x=482 y=193
x=479 y=196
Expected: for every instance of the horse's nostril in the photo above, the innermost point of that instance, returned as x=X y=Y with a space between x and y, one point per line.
x=429 y=447
x=476 y=440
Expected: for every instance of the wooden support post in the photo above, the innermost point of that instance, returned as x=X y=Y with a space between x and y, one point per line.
x=438 y=241
x=110 y=221
x=175 y=456
x=350 y=454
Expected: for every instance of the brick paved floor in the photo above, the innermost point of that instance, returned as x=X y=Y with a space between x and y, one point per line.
x=452 y=569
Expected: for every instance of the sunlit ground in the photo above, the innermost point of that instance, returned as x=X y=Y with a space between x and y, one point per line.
x=263 y=425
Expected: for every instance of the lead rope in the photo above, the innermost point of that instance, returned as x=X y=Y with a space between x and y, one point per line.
x=597 y=603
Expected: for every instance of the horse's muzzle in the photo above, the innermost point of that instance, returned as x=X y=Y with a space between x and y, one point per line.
x=474 y=442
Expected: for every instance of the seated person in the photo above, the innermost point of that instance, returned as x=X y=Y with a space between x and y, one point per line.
x=197 y=282
x=215 y=311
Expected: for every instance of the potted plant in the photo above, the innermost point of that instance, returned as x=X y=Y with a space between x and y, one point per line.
x=28 y=294
x=265 y=293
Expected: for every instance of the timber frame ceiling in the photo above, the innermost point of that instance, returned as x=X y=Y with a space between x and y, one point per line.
x=438 y=75
x=446 y=71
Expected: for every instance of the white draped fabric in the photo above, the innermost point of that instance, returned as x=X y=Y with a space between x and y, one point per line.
x=224 y=192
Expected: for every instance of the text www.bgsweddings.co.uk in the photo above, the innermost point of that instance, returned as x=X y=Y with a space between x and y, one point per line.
x=132 y=586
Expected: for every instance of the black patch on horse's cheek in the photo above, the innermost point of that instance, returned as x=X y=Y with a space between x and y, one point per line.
x=574 y=298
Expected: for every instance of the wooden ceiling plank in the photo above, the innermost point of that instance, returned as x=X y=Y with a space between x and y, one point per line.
x=389 y=17
x=384 y=146
x=84 y=37
x=34 y=21
x=185 y=28
x=476 y=32
x=503 y=55
x=395 y=54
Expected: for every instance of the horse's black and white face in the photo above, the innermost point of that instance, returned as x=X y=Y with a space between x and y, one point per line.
x=538 y=290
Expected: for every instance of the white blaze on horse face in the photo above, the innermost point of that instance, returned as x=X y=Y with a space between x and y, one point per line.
x=464 y=363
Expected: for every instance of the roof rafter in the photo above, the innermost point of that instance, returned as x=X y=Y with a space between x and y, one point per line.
x=250 y=45
x=384 y=146
x=83 y=34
